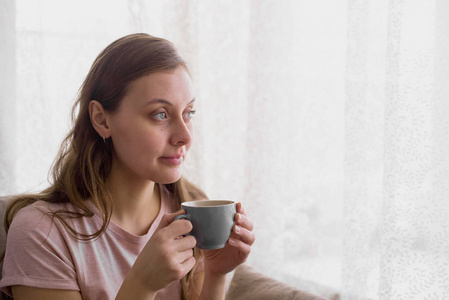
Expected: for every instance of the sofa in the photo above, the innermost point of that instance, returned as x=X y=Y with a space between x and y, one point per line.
x=246 y=282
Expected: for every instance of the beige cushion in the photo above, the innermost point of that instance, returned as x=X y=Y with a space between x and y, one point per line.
x=247 y=284
x=3 y=203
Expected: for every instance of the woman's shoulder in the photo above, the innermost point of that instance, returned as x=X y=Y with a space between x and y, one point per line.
x=40 y=215
x=41 y=208
x=51 y=223
x=34 y=213
x=31 y=223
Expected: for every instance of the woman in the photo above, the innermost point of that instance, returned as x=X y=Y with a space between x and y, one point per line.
x=105 y=227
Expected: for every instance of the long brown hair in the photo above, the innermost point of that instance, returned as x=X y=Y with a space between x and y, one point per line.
x=84 y=161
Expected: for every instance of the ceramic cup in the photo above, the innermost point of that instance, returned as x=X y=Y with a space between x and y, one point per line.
x=212 y=221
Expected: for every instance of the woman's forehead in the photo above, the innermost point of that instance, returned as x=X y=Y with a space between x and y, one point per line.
x=169 y=86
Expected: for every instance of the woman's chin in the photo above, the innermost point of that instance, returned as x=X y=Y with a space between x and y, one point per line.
x=168 y=179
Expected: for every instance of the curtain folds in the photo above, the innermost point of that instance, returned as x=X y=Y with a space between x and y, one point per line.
x=395 y=203
x=328 y=120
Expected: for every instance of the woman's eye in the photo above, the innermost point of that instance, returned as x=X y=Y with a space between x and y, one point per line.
x=160 y=116
x=190 y=114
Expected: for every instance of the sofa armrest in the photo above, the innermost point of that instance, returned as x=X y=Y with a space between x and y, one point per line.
x=250 y=284
x=3 y=203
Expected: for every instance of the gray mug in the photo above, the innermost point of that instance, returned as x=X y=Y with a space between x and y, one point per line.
x=212 y=221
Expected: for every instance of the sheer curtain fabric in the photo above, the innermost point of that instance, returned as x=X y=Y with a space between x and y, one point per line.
x=328 y=120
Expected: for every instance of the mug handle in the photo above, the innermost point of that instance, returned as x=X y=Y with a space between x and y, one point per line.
x=185 y=217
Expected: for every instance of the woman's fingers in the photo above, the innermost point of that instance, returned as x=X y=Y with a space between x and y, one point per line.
x=178 y=228
x=243 y=227
x=167 y=219
x=243 y=234
x=183 y=260
x=243 y=247
x=182 y=263
x=243 y=221
x=187 y=265
x=187 y=242
x=183 y=256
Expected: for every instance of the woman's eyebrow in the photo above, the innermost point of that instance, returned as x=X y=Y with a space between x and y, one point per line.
x=163 y=101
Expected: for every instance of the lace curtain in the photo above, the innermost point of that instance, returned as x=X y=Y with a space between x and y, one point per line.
x=328 y=119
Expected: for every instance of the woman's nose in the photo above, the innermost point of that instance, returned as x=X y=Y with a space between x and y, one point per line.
x=182 y=134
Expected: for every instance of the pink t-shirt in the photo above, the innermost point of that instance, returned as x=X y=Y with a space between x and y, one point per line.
x=41 y=253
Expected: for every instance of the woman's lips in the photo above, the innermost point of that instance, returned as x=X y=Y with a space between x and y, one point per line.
x=173 y=160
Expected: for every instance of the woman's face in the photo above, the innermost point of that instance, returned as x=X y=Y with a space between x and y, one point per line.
x=151 y=131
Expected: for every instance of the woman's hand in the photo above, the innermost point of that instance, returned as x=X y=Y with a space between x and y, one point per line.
x=237 y=249
x=168 y=256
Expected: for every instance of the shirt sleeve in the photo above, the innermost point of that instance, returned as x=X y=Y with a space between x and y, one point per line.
x=37 y=254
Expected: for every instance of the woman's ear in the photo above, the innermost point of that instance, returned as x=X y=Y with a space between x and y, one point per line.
x=99 y=119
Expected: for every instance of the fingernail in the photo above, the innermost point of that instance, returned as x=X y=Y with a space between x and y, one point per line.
x=237 y=228
x=232 y=241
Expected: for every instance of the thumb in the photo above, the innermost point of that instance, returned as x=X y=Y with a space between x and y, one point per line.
x=167 y=219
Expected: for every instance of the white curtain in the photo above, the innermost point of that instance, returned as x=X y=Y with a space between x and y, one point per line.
x=328 y=119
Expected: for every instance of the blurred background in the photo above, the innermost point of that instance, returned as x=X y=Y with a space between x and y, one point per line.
x=327 y=119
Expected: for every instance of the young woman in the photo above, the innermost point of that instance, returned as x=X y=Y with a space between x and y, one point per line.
x=105 y=228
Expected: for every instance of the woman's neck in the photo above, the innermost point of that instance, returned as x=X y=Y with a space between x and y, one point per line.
x=136 y=202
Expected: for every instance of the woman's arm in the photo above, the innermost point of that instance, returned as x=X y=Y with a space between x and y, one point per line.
x=218 y=263
x=25 y=292
x=131 y=289
x=214 y=287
